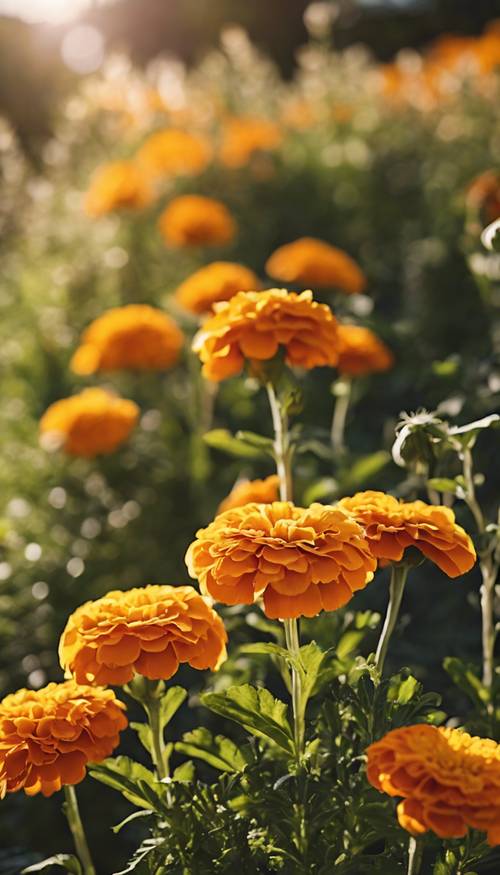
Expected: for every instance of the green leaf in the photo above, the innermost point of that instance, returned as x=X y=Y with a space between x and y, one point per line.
x=65 y=861
x=348 y=642
x=131 y=779
x=365 y=469
x=170 y=704
x=265 y=647
x=256 y=710
x=144 y=732
x=326 y=487
x=403 y=690
x=222 y=439
x=464 y=677
x=311 y=658
x=148 y=846
x=184 y=774
x=219 y=752
x=445 y=484
x=133 y=816
x=257 y=441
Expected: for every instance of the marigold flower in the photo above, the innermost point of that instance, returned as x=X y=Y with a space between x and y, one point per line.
x=174 y=151
x=48 y=736
x=137 y=337
x=116 y=186
x=391 y=526
x=243 y=136
x=215 y=282
x=247 y=491
x=301 y=560
x=254 y=325
x=449 y=780
x=312 y=262
x=361 y=351
x=90 y=423
x=146 y=631
x=193 y=220
x=484 y=194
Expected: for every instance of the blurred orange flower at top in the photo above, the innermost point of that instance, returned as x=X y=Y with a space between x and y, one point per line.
x=243 y=136
x=116 y=186
x=48 y=736
x=449 y=781
x=391 y=526
x=484 y=194
x=148 y=631
x=88 y=424
x=136 y=337
x=362 y=352
x=194 y=220
x=313 y=262
x=247 y=491
x=301 y=561
x=215 y=282
x=254 y=325
x=174 y=151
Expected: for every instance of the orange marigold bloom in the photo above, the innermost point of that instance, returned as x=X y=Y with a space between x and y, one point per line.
x=137 y=337
x=174 y=151
x=90 y=423
x=116 y=186
x=301 y=560
x=215 y=282
x=193 y=220
x=243 y=136
x=247 y=491
x=362 y=352
x=146 y=631
x=392 y=526
x=48 y=736
x=253 y=325
x=312 y=262
x=484 y=194
x=449 y=780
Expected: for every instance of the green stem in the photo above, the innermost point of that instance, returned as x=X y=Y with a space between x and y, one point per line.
x=153 y=710
x=399 y=573
x=72 y=813
x=343 y=394
x=293 y=646
x=415 y=854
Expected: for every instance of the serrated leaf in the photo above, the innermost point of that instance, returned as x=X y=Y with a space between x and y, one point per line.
x=256 y=710
x=170 y=704
x=147 y=847
x=184 y=773
x=222 y=439
x=219 y=752
x=144 y=732
x=131 y=779
x=65 y=861
x=134 y=816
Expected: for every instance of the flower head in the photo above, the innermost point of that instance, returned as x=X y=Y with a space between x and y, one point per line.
x=90 y=423
x=254 y=325
x=247 y=491
x=361 y=351
x=48 y=736
x=136 y=337
x=483 y=195
x=392 y=526
x=116 y=186
x=174 y=151
x=243 y=136
x=147 y=631
x=193 y=220
x=315 y=263
x=215 y=282
x=449 y=780
x=302 y=561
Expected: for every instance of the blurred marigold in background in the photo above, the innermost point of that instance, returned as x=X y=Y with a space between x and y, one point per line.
x=254 y=325
x=215 y=282
x=48 y=736
x=87 y=424
x=116 y=186
x=361 y=351
x=242 y=137
x=136 y=337
x=194 y=220
x=483 y=195
x=302 y=561
x=312 y=262
x=172 y=152
x=247 y=491
x=392 y=526
x=449 y=780
x=147 y=631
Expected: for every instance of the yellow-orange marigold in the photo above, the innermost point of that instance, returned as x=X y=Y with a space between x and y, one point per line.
x=315 y=263
x=245 y=135
x=194 y=220
x=247 y=491
x=48 y=736
x=136 y=337
x=215 y=282
x=146 y=631
x=301 y=560
x=254 y=325
x=90 y=423
x=392 y=526
x=116 y=186
x=449 y=780
x=362 y=352
x=174 y=151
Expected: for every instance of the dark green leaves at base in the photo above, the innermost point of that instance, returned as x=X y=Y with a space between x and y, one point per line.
x=257 y=711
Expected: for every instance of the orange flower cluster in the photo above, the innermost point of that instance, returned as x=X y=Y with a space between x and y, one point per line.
x=391 y=526
x=449 y=780
x=483 y=195
x=90 y=423
x=254 y=325
x=302 y=561
x=315 y=263
x=137 y=337
x=362 y=352
x=146 y=631
x=215 y=282
x=243 y=136
x=116 y=186
x=174 y=151
x=193 y=220
x=48 y=736
x=247 y=491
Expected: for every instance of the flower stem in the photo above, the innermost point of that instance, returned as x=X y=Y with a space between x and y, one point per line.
x=293 y=646
x=72 y=813
x=415 y=854
x=153 y=710
x=343 y=391
x=399 y=573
